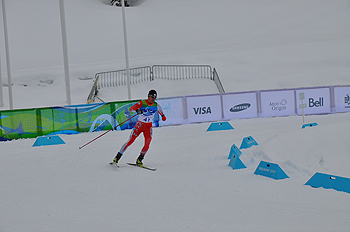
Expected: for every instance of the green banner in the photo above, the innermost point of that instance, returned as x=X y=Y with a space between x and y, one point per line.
x=31 y=123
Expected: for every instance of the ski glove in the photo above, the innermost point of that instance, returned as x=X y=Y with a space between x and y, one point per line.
x=139 y=111
x=163 y=117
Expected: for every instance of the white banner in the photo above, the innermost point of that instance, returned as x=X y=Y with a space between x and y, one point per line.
x=173 y=110
x=316 y=101
x=240 y=105
x=342 y=99
x=204 y=108
x=277 y=103
x=214 y=107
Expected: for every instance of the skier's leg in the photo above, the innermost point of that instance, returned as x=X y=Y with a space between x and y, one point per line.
x=147 y=133
x=134 y=134
x=148 y=138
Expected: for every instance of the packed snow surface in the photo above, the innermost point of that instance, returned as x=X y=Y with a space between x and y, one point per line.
x=254 y=45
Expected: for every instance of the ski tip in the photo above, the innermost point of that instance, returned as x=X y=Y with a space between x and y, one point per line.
x=142 y=166
x=114 y=165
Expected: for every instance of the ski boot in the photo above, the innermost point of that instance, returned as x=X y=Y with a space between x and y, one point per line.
x=139 y=160
x=117 y=158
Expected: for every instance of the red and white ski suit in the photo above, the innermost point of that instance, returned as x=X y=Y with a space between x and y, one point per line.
x=144 y=124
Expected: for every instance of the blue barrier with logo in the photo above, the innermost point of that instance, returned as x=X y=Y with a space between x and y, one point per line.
x=328 y=181
x=217 y=126
x=247 y=142
x=309 y=125
x=270 y=170
x=48 y=140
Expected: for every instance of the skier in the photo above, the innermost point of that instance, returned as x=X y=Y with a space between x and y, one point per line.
x=146 y=110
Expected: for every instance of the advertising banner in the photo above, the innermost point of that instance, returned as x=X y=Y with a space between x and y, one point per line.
x=315 y=101
x=173 y=110
x=204 y=108
x=74 y=119
x=241 y=105
x=342 y=99
x=277 y=103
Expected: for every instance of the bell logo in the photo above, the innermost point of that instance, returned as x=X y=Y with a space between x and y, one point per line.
x=313 y=103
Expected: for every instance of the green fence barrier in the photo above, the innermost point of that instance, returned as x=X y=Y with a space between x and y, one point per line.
x=31 y=123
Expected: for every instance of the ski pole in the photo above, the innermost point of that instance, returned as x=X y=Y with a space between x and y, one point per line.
x=106 y=132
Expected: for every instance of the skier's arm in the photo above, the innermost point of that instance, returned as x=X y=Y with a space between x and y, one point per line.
x=137 y=108
x=160 y=111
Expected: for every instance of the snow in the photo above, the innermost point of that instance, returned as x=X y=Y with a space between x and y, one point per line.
x=254 y=45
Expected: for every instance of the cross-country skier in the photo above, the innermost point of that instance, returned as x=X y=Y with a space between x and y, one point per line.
x=146 y=110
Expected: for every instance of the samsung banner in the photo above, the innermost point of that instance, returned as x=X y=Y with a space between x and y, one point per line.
x=241 y=105
x=204 y=108
x=277 y=103
x=315 y=101
x=342 y=98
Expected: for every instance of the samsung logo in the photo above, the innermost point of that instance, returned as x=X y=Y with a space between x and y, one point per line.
x=240 y=107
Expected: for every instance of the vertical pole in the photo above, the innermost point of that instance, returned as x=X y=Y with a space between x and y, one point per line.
x=1 y=89
x=126 y=50
x=7 y=54
x=65 y=52
x=302 y=109
x=302 y=97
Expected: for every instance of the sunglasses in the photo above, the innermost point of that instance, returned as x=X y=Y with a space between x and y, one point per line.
x=152 y=96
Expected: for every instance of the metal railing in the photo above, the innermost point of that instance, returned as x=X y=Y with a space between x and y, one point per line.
x=147 y=73
x=119 y=78
x=217 y=81
x=181 y=72
x=93 y=92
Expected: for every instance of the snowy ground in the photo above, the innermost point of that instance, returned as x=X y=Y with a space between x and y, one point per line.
x=253 y=44
x=62 y=188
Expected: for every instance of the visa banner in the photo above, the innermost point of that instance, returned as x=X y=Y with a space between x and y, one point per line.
x=204 y=108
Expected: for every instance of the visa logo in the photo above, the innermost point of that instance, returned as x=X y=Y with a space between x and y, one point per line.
x=202 y=110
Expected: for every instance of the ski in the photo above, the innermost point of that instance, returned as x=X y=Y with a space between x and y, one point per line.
x=114 y=164
x=142 y=166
